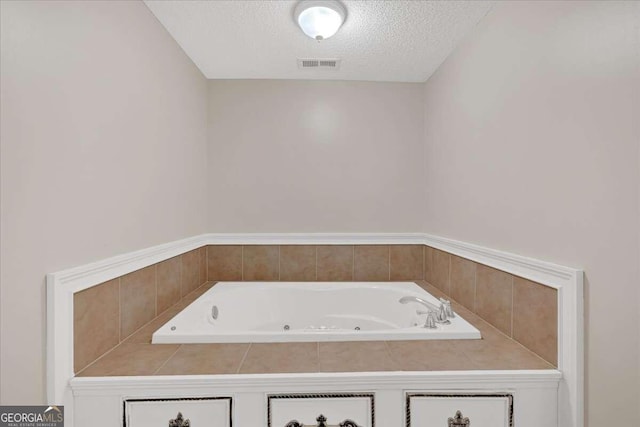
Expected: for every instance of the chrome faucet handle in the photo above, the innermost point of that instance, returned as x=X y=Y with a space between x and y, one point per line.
x=441 y=316
x=447 y=307
x=430 y=322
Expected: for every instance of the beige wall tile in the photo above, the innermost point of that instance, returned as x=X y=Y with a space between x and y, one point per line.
x=205 y=359
x=190 y=271
x=168 y=283
x=463 y=281
x=203 y=264
x=131 y=359
x=298 y=262
x=261 y=262
x=535 y=318
x=494 y=292
x=335 y=263
x=431 y=289
x=428 y=355
x=440 y=272
x=224 y=262
x=371 y=262
x=428 y=264
x=96 y=323
x=144 y=334
x=505 y=354
x=195 y=294
x=137 y=300
x=350 y=356
x=281 y=358
x=488 y=332
x=407 y=262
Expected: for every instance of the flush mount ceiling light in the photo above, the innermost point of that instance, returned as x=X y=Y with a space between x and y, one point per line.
x=320 y=19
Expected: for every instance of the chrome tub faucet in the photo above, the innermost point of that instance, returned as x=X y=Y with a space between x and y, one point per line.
x=435 y=314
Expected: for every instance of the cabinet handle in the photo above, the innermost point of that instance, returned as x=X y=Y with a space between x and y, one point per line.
x=179 y=421
x=322 y=422
x=459 y=421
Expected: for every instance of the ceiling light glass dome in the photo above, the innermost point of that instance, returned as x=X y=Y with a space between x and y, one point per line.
x=320 y=19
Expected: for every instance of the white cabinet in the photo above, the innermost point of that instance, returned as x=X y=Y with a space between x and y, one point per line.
x=458 y=410
x=200 y=412
x=393 y=399
x=349 y=409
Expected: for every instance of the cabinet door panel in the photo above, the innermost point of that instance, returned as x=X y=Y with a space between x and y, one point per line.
x=307 y=408
x=427 y=410
x=158 y=413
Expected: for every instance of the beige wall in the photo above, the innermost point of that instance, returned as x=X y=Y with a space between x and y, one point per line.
x=533 y=147
x=103 y=152
x=302 y=156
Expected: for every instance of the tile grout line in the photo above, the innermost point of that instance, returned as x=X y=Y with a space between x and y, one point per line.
x=353 y=263
x=389 y=260
x=244 y=356
x=180 y=268
x=475 y=286
x=155 y=276
x=167 y=361
x=512 y=291
x=119 y=310
x=423 y=263
x=449 y=276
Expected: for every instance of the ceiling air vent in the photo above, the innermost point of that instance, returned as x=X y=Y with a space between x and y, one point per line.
x=319 y=64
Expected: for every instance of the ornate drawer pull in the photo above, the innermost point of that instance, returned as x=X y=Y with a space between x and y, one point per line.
x=459 y=421
x=322 y=422
x=179 y=421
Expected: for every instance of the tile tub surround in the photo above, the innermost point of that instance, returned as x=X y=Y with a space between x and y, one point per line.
x=372 y=263
x=125 y=308
x=523 y=310
x=106 y=314
x=137 y=356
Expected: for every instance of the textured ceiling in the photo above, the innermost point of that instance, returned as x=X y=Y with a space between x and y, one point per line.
x=403 y=41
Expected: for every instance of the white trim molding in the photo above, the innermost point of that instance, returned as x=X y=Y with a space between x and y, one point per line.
x=568 y=281
x=316 y=239
x=337 y=381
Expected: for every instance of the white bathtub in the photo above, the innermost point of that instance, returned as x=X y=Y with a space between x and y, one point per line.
x=320 y=311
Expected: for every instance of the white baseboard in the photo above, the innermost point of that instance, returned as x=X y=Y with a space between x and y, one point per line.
x=568 y=281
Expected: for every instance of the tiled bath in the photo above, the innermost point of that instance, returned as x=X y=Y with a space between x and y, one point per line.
x=129 y=308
